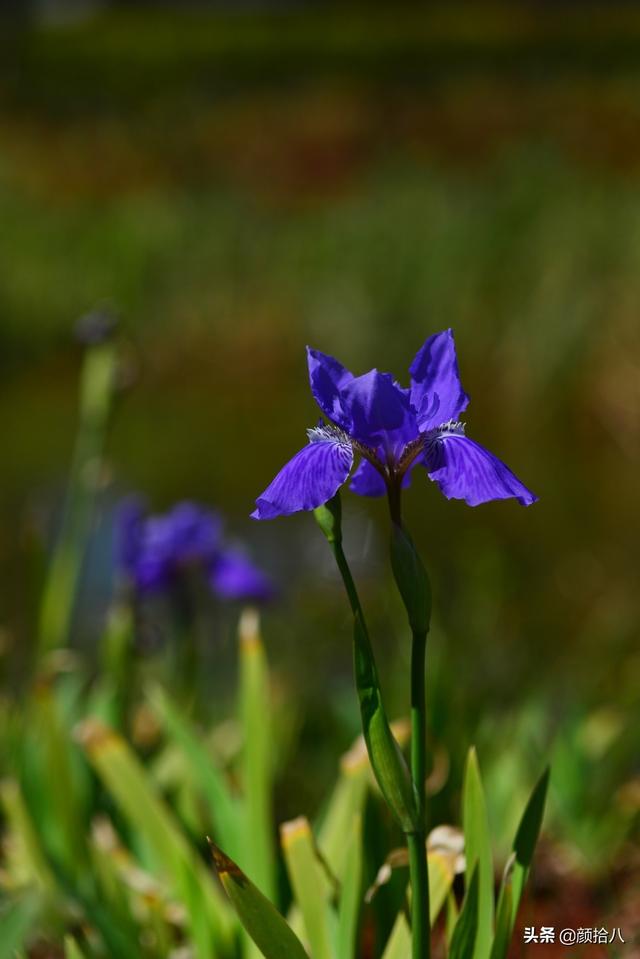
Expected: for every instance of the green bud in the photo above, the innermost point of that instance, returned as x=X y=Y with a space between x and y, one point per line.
x=329 y=519
x=412 y=580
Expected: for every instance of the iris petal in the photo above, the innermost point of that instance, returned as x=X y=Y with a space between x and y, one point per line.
x=327 y=378
x=310 y=479
x=436 y=391
x=367 y=481
x=463 y=469
x=233 y=576
x=379 y=410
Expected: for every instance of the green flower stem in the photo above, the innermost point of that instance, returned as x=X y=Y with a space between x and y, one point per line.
x=417 y=841
x=96 y=394
x=387 y=761
x=413 y=584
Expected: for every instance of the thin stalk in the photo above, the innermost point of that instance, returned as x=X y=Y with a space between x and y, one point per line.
x=418 y=868
x=417 y=840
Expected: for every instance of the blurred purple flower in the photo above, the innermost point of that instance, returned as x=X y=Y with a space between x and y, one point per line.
x=154 y=551
x=393 y=429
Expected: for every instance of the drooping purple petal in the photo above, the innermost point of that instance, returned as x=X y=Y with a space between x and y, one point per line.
x=327 y=378
x=367 y=481
x=436 y=391
x=379 y=410
x=233 y=576
x=463 y=469
x=310 y=479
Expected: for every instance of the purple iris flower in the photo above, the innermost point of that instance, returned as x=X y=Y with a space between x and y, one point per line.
x=392 y=429
x=153 y=552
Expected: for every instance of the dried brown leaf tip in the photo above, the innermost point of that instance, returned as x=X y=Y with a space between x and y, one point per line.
x=94 y=735
x=225 y=866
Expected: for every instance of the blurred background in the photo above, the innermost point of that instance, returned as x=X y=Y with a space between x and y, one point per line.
x=239 y=180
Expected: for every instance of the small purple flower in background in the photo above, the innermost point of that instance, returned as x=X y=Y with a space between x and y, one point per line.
x=153 y=552
x=392 y=429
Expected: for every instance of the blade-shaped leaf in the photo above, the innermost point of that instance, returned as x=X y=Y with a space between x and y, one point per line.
x=351 y=894
x=399 y=942
x=503 y=921
x=257 y=772
x=25 y=849
x=16 y=919
x=516 y=870
x=344 y=806
x=526 y=838
x=387 y=761
x=262 y=921
x=464 y=935
x=441 y=876
x=478 y=852
x=311 y=887
x=223 y=809
x=126 y=780
x=71 y=949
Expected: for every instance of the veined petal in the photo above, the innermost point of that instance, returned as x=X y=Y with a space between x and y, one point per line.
x=327 y=378
x=463 y=469
x=379 y=410
x=233 y=576
x=367 y=481
x=310 y=479
x=436 y=391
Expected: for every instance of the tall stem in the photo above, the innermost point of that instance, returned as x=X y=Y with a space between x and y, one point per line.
x=420 y=924
x=413 y=585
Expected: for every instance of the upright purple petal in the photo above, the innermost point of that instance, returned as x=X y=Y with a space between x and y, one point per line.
x=194 y=533
x=310 y=479
x=327 y=378
x=463 y=469
x=436 y=391
x=233 y=576
x=379 y=410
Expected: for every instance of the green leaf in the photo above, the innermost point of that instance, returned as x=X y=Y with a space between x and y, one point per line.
x=124 y=777
x=71 y=949
x=441 y=876
x=257 y=772
x=399 y=942
x=16 y=920
x=527 y=837
x=463 y=940
x=516 y=870
x=351 y=894
x=223 y=809
x=411 y=579
x=344 y=807
x=502 y=937
x=262 y=921
x=451 y=917
x=478 y=852
x=25 y=849
x=310 y=884
x=387 y=761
